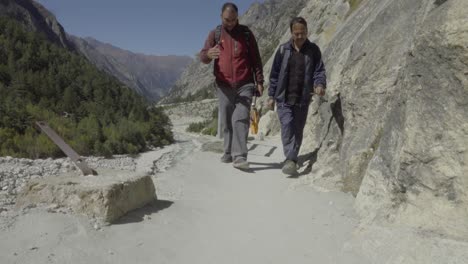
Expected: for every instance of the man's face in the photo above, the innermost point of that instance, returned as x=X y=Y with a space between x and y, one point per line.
x=229 y=18
x=299 y=33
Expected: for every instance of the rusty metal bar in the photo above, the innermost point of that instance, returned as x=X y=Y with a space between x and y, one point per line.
x=71 y=153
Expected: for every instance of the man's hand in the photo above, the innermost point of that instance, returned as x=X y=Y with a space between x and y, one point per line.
x=259 y=90
x=270 y=103
x=213 y=53
x=319 y=90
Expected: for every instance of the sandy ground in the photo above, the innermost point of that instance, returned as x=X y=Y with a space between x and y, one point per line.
x=207 y=212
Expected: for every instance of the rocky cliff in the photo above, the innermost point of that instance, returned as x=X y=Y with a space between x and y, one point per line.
x=36 y=18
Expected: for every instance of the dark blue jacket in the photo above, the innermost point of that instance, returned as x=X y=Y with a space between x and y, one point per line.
x=314 y=71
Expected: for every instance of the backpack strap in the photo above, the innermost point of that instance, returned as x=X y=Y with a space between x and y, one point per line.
x=246 y=32
x=218 y=34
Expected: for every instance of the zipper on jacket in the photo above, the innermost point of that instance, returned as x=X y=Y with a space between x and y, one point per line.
x=232 y=61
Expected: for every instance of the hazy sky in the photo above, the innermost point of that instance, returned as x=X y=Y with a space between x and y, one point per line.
x=159 y=27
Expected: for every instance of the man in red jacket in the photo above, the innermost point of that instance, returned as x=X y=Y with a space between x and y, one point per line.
x=239 y=74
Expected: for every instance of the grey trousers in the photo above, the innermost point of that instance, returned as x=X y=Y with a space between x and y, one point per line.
x=234 y=117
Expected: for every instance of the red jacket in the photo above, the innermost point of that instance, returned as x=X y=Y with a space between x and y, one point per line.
x=234 y=66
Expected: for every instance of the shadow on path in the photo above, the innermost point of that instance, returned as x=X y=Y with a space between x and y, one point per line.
x=138 y=215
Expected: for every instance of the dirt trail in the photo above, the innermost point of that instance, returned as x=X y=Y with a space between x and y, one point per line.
x=208 y=212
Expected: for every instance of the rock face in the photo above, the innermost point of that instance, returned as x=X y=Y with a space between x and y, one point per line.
x=393 y=128
x=149 y=75
x=270 y=124
x=268 y=21
x=36 y=18
x=105 y=197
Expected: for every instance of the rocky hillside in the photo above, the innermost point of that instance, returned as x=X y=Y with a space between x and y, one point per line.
x=151 y=76
x=393 y=128
x=36 y=18
x=268 y=21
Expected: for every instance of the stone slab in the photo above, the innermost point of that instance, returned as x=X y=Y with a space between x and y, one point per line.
x=105 y=197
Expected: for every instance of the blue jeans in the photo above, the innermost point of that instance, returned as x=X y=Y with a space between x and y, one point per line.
x=292 y=119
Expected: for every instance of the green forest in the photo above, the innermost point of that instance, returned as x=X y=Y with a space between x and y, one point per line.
x=92 y=111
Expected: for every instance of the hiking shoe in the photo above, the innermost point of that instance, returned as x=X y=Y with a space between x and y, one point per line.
x=226 y=158
x=289 y=168
x=241 y=164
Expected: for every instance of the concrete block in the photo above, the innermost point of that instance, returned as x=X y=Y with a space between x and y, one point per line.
x=105 y=197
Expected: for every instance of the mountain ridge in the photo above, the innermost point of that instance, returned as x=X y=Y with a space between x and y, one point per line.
x=150 y=75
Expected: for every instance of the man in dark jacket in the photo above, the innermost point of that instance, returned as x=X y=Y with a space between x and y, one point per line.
x=297 y=73
x=237 y=67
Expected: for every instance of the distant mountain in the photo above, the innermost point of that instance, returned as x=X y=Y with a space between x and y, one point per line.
x=151 y=76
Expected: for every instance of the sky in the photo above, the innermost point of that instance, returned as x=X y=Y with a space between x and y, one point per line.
x=156 y=27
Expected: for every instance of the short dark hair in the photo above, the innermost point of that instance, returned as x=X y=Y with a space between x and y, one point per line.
x=229 y=5
x=297 y=20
